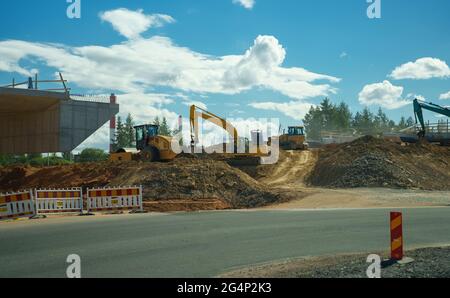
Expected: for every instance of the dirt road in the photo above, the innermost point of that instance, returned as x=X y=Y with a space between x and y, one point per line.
x=292 y=171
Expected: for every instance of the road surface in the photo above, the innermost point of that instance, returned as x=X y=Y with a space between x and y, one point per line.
x=203 y=244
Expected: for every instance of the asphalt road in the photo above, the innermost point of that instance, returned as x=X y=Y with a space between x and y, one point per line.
x=203 y=244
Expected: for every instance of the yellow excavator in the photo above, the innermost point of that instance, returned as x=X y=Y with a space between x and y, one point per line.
x=295 y=139
x=240 y=147
x=150 y=146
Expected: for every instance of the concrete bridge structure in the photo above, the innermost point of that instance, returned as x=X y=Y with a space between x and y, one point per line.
x=37 y=121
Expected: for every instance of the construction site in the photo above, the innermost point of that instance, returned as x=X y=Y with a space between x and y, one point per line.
x=38 y=121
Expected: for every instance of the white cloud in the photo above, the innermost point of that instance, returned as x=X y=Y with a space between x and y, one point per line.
x=383 y=94
x=245 y=3
x=132 y=23
x=136 y=65
x=199 y=104
x=343 y=55
x=294 y=109
x=144 y=107
x=445 y=96
x=421 y=69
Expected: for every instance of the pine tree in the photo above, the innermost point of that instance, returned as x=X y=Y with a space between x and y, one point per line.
x=129 y=131
x=164 y=129
x=121 y=139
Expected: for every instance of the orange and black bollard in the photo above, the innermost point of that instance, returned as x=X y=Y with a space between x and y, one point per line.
x=396 y=236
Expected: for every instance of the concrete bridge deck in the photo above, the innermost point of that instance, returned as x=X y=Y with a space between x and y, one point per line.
x=36 y=121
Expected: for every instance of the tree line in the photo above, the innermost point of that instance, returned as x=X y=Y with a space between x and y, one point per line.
x=125 y=133
x=328 y=117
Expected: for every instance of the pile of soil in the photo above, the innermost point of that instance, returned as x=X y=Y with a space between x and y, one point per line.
x=372 y=162
x=186 y=183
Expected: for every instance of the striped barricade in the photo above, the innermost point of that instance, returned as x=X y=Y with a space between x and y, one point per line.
x=114 y=199
x=396 y=236
x=59 y=201
x=16 y=205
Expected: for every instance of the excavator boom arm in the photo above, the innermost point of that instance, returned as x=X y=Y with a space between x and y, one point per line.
x=419 y=106
x=196 y=113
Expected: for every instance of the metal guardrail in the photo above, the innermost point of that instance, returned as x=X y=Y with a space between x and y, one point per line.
x=34 y=84
x=90 y=98
x=438 y=128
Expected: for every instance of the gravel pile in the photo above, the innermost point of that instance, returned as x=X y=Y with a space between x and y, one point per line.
x=372 y=162
x=428 y=263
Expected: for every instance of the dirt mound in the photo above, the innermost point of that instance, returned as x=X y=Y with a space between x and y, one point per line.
x=372 y=162
x=182 y=180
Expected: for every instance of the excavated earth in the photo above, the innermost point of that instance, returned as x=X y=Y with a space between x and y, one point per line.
x=372 y=162
x=183 y=184
x=208 y=182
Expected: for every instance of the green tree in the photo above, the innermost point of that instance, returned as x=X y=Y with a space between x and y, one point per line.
x=313 y=122
x=156 y=121
x=327 y=117
x=129 y=131
x=402 y=123
x=164 y=128
x=92 y=155
x=364 y=122
x=125 y=133
x=120 y=138
x=410 y=122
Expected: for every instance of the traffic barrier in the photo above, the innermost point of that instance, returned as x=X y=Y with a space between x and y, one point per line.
x=59 y=201
x=17 y=205
x=114 y=199
x=396 y=236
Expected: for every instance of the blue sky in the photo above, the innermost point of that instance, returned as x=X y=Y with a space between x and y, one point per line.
x=269 y=59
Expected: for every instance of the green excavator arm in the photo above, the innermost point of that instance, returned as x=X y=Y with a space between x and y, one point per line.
x=418 y=112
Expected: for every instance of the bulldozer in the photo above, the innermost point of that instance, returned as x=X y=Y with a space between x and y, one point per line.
x=295 y=139
x=150 y=146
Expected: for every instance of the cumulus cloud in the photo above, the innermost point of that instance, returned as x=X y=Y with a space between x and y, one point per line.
x=245 y=3
x=132 y=23
x=421 y=69
x=445 y=96
x=136 y=65
x=294 y=109
x=383 y=94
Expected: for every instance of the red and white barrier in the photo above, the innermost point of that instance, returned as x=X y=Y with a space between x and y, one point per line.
x=114 y=199
x=396 y=236
x=16 y=205
x=59 y=201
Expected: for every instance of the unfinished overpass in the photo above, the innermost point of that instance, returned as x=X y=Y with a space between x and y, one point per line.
x=37 y=121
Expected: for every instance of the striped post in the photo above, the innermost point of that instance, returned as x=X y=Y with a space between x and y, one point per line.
x=396 y=236
x=112 y=126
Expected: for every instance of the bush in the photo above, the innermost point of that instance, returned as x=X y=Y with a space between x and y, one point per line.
x=92 y=155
